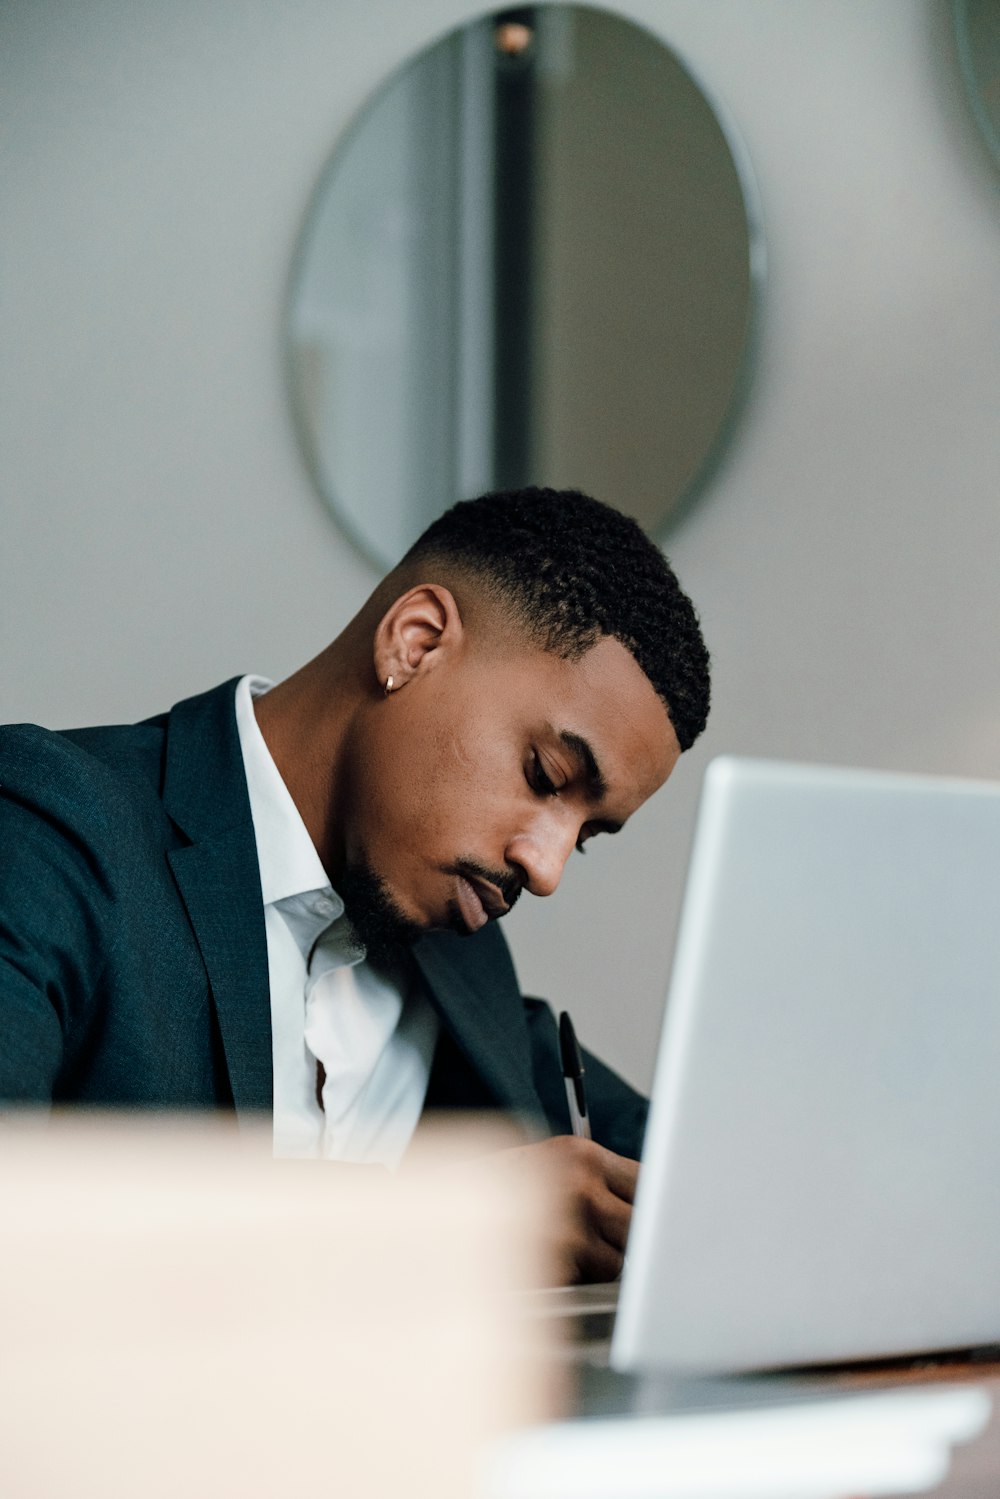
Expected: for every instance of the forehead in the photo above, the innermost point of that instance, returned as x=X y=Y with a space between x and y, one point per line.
x=606 y=699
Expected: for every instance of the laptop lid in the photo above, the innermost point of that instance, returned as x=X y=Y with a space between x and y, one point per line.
x=821 y=1174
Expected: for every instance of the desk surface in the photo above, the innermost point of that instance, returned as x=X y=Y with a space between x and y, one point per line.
x=975 y=1467
x=974 y=1471
x=585 y=1314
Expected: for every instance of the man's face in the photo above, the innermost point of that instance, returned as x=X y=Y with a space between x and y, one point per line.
x=479 y=778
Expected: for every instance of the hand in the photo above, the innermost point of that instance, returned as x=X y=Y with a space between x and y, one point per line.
x=597 y=1189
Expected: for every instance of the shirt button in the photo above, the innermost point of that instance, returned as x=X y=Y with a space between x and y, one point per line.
x=324 y=906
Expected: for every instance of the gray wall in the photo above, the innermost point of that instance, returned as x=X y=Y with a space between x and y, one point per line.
x=158 y=529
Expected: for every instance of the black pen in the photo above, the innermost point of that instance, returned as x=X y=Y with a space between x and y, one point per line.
x=572 y=1070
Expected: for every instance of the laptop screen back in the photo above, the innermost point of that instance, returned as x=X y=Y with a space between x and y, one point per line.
x=821 y=1175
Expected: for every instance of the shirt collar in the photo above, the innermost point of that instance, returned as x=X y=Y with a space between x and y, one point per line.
x=289 y=863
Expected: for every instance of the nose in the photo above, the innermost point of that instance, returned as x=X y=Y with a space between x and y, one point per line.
x=540 y=853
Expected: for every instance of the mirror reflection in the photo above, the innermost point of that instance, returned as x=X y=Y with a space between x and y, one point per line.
x=532 y=259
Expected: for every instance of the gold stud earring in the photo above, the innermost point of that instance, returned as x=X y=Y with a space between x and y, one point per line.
x=388 y=686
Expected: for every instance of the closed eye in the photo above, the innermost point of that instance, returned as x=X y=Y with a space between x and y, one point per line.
x=539 y=779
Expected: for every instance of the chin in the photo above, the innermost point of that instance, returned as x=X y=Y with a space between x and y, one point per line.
x=380 y=922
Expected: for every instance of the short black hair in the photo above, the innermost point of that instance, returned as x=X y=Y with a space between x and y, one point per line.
x=572 y=570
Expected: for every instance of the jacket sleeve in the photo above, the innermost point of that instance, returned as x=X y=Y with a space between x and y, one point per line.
x=55 y=910
x=617 y=1112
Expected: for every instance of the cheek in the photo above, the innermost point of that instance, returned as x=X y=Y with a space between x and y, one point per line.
x=446 y=744
x=420 y=793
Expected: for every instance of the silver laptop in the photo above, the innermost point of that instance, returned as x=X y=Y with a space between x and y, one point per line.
x=821 y=1174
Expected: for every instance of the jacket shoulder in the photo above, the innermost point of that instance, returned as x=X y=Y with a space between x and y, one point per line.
x=79 y=783
x=125 y=749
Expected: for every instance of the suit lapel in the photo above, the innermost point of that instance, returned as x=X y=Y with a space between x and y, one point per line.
x=218 y=878
x=473 y=986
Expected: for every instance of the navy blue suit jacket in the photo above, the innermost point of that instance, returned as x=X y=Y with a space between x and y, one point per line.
x=133 y=961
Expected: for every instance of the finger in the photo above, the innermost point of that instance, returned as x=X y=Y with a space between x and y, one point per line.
x=594 y=1259
x=620 y=1174
x=610 y=1218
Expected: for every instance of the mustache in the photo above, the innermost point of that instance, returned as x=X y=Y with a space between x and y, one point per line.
x=506 y=881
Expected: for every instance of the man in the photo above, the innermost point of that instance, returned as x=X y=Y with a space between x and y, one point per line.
x=287 y=895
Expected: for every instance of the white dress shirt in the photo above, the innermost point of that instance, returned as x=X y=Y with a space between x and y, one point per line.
x=374 y=1037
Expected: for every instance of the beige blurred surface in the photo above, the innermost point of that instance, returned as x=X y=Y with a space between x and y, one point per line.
x=180 y=1314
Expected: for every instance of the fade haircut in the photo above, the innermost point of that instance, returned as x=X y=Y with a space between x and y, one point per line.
x=572 y=570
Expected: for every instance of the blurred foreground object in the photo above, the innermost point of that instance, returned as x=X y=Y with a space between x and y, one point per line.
x=182 y=1314
x=868 y=1444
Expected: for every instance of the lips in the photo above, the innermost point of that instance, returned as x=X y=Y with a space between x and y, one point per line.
x=478 y=902
x=474 y=913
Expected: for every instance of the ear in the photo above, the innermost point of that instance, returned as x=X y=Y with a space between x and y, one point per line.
x=415 y=634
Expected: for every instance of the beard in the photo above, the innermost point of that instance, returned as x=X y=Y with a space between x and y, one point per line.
x=378 y=925
x=381 y=928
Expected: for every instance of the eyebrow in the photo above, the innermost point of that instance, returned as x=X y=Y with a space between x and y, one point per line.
x=587 y=761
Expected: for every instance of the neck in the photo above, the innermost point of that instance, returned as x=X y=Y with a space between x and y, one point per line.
x=304 y=722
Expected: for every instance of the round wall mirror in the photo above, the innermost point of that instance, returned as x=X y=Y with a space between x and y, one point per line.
x=534 y=258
